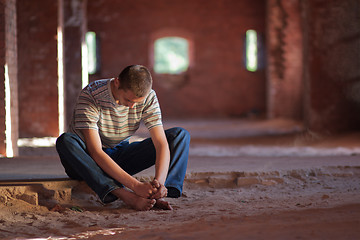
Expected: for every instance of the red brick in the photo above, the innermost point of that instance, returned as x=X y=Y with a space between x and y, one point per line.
x=37 y=51
x=217 y=84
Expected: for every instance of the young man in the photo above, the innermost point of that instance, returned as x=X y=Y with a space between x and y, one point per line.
x=96 y=148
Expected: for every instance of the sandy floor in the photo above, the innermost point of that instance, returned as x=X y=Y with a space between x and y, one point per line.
x=318 y=204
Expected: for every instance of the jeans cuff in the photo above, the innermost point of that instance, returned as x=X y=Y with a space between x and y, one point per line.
x=174 y=192
x=108 y=197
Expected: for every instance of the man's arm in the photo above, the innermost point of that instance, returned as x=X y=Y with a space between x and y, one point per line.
x=93 y=144
x=162 y=159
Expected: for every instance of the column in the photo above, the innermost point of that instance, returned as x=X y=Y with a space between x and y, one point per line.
x=8 y=79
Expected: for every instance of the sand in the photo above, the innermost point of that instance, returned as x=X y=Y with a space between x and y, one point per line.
x=314 y=204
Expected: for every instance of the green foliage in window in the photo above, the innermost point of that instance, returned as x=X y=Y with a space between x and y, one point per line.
x=171 y=55
x=251 y=51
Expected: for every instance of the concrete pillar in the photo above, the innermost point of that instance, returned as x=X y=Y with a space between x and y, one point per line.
x=74 y=29
x=285 y=60
x=8 y=79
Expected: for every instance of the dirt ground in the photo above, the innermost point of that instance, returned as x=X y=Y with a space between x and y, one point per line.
x=316 y=203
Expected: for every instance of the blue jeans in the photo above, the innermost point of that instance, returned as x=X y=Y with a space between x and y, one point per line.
x=131 y=157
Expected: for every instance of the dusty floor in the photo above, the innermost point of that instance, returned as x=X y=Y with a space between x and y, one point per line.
x=293 y=202
x=289 y=205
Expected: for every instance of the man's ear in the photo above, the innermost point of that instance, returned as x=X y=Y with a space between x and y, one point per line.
x=117 y=83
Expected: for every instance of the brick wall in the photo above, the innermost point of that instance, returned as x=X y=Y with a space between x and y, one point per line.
x=285 y=60
x=313 y=58
x=37 y=72
x=333 y=72
x=217 y=84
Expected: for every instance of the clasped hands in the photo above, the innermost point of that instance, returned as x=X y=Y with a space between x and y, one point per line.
x=152 y=190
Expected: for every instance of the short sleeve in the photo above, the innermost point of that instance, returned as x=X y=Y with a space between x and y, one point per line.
x=86 y=114
x=151 y=113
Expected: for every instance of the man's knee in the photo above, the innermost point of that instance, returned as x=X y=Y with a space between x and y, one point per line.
x=180 y=133
x=61 y=140
x=65 y=140
x=184 y=133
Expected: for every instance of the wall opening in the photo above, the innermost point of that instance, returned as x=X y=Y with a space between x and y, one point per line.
x=251 y=50
x=92 y=58
x=171 y=55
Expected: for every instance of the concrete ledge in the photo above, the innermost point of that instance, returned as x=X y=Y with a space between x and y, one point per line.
x=65 y=191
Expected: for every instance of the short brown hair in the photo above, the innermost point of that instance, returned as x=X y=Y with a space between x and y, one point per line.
x=136 y=78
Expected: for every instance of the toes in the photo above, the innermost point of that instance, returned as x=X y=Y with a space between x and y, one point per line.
x=149 y=204
x=152 y=203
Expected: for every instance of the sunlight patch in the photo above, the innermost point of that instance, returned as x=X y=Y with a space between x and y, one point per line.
x=37 y=142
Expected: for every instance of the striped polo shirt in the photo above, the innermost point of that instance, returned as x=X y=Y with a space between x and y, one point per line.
x=96 y=109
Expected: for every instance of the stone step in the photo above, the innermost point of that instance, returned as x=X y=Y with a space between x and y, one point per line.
x=63 y=191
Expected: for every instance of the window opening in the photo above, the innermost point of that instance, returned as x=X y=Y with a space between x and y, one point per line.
x=91 y=52
x=251 y=51
x=171 y=55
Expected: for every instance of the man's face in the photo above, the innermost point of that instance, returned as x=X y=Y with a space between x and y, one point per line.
x=125 y=97
x=128 y=99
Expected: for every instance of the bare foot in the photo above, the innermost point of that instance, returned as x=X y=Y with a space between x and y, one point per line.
x=133 y=200
x=162 y=204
